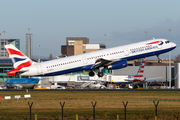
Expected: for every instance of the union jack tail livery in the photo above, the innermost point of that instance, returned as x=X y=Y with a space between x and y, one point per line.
x=18 y=59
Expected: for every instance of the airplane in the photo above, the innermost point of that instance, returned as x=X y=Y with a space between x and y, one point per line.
x=21 y=83
x=135 y=79
x=111 y=58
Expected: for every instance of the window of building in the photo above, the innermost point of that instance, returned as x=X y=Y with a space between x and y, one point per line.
x=70 y=42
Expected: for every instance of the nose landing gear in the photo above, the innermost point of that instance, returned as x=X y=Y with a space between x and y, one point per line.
x=159 y=60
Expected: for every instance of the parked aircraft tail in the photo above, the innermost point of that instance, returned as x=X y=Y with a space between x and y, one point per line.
x=139 y=76
x=141 y=67
x=140 y=73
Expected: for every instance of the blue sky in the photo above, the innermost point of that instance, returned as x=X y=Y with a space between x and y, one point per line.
x=125 y=21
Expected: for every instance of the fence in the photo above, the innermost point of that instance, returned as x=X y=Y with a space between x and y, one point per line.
x=91 y=108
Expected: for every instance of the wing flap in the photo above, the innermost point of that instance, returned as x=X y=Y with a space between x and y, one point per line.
x=103 y=63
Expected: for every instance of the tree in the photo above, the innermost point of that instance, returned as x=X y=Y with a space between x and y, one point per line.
x=177 y=58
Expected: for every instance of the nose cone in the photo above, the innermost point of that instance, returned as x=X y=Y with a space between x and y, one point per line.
x=173 y=45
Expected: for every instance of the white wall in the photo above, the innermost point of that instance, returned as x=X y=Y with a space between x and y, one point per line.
x=177 y=72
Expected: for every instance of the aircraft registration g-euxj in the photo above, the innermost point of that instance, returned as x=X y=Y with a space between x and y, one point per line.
x=111 y=58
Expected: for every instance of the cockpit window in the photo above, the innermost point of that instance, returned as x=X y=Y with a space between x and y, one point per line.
x=166 y=42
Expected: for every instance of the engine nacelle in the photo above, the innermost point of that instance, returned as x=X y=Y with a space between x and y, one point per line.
x=118 y=64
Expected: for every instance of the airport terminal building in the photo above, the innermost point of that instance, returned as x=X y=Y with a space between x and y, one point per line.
x=5 y=62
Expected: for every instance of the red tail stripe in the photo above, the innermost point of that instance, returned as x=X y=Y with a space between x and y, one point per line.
x=14 y=52
x=141 y=71
x=138 y=76
x=142 y=66
x=13 y=72
x=143 y=61
x=26 y=64
x=137 y=80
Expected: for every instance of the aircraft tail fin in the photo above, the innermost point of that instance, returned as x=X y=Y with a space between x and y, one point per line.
x=18 y=59
x=139 y=76
x=141 y=67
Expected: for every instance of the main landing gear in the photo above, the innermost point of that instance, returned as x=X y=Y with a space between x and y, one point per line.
x=159 y=60
x=91 y=73
x=100 y=73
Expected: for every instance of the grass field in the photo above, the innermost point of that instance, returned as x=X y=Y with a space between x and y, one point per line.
x=46 y=104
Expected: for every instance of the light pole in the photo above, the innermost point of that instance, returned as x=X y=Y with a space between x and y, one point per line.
x=145 y=34
x=4 y=40
x=0 y=36
x=29 y=43
x=39 y=52
x=169 y=60
x=105 y=38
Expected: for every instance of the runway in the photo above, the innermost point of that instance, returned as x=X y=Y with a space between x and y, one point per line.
x=91 y=90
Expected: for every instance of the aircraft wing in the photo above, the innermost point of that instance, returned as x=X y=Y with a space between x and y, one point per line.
x=160 y=80
x=152 y=79
x=143 y=79
x=102 y=63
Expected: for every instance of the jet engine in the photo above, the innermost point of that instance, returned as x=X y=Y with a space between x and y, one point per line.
x=118 y=65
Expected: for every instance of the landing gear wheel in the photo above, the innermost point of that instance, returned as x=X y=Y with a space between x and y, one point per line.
x=91 y=73
x=159 y=61
x=100 y=74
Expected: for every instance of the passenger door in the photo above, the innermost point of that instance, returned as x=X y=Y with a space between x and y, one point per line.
x=85 y=60
x=39 y=69
x=126 y=51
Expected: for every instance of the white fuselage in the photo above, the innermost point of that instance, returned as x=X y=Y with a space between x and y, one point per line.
x=87 y=60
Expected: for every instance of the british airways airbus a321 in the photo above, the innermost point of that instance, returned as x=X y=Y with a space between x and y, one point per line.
x=111 y=58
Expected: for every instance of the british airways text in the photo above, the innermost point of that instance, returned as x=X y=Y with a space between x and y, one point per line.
x=140 y=49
